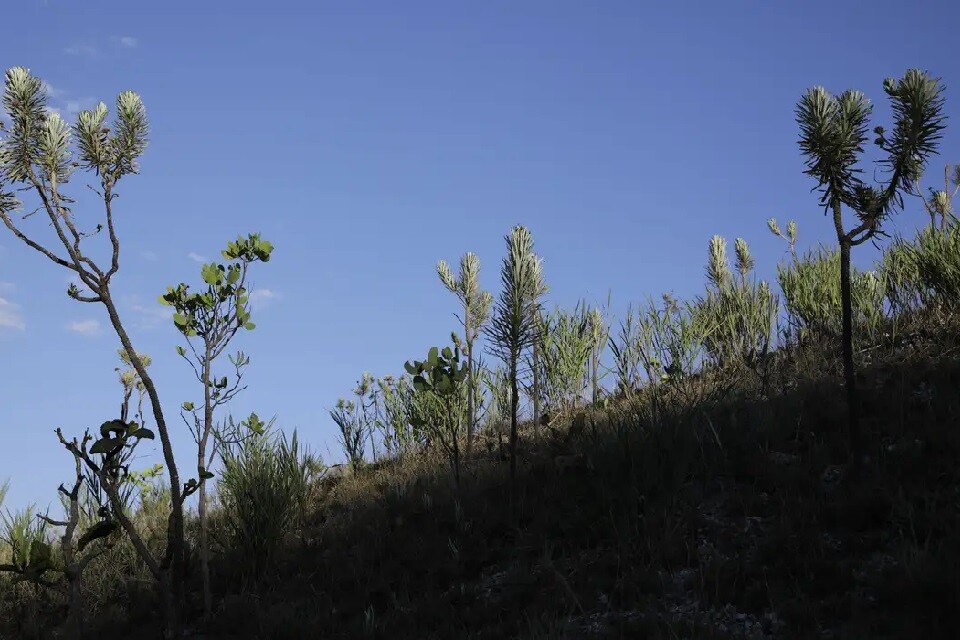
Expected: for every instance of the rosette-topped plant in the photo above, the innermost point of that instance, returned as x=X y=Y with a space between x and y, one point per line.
x=833 y=131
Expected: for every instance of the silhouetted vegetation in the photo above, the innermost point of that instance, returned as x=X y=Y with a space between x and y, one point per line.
x=729 y=484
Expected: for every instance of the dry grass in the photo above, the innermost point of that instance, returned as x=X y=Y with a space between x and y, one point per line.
x=729 y=516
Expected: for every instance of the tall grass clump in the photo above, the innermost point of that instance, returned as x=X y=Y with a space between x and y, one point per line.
x=933 y=259
x=627 y=357
x=811 y=295
x=566 y=343
x=740 y=311
x=356 y=420
x=905 y=293
x=670 y=342
x=496 y=384
x=263 y=491
x=394 y=418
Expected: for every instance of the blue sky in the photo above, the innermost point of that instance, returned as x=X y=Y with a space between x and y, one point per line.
x=368 y=140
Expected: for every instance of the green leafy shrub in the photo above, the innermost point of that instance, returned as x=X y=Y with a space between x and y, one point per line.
x=443 y=377
x=903 y=289
x=627 y=357
x=566 y=343
x=394 y=420
x=496 y=384
x=925 y=271
x=670 y=340
x=811 y=293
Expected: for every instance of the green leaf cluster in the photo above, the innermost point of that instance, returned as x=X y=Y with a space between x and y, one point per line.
x=224 y=305
x=441 y=373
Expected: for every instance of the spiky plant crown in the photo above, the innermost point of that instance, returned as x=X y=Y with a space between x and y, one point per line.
x=37 y=146
x=718 y=269
x=467 y=287
x=774 y=227
x=599 y=330
x=513 y=326
x=790 y=236
x=833 y=130
x=745 y=261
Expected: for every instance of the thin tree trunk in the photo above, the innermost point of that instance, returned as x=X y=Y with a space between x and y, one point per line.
x=456 y=458
x=74 y=623
x=202 y=491
x=515 y=405
x=594 y=365
x=536 y=385
x=172 y=583
x=849 y=373
x=946 y=192
x=471 y=392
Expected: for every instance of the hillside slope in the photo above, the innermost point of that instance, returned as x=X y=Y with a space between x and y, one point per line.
x=729 y=514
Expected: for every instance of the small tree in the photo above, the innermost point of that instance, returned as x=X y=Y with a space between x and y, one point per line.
x=514 y=328
x=443 y=376
x=209 y=320
x=33 y=554
x=106 y=462
x=833 y=131
x=37 y=155
x=476 y=310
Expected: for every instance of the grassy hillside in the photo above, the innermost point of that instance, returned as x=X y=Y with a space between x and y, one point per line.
x=768 y=464
x=727 y=513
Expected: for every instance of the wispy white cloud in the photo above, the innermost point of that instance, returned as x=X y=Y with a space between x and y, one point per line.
x=80 y=50
x=73 y=107
x=153 y=316
x=10 y=318
x=126 y=41
x=7 y=287
x=84 y=327
x=146 y=254
x=64 y=104
x=262 y=298
x=52 y=92
x=69 y=109
x=196 y=257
